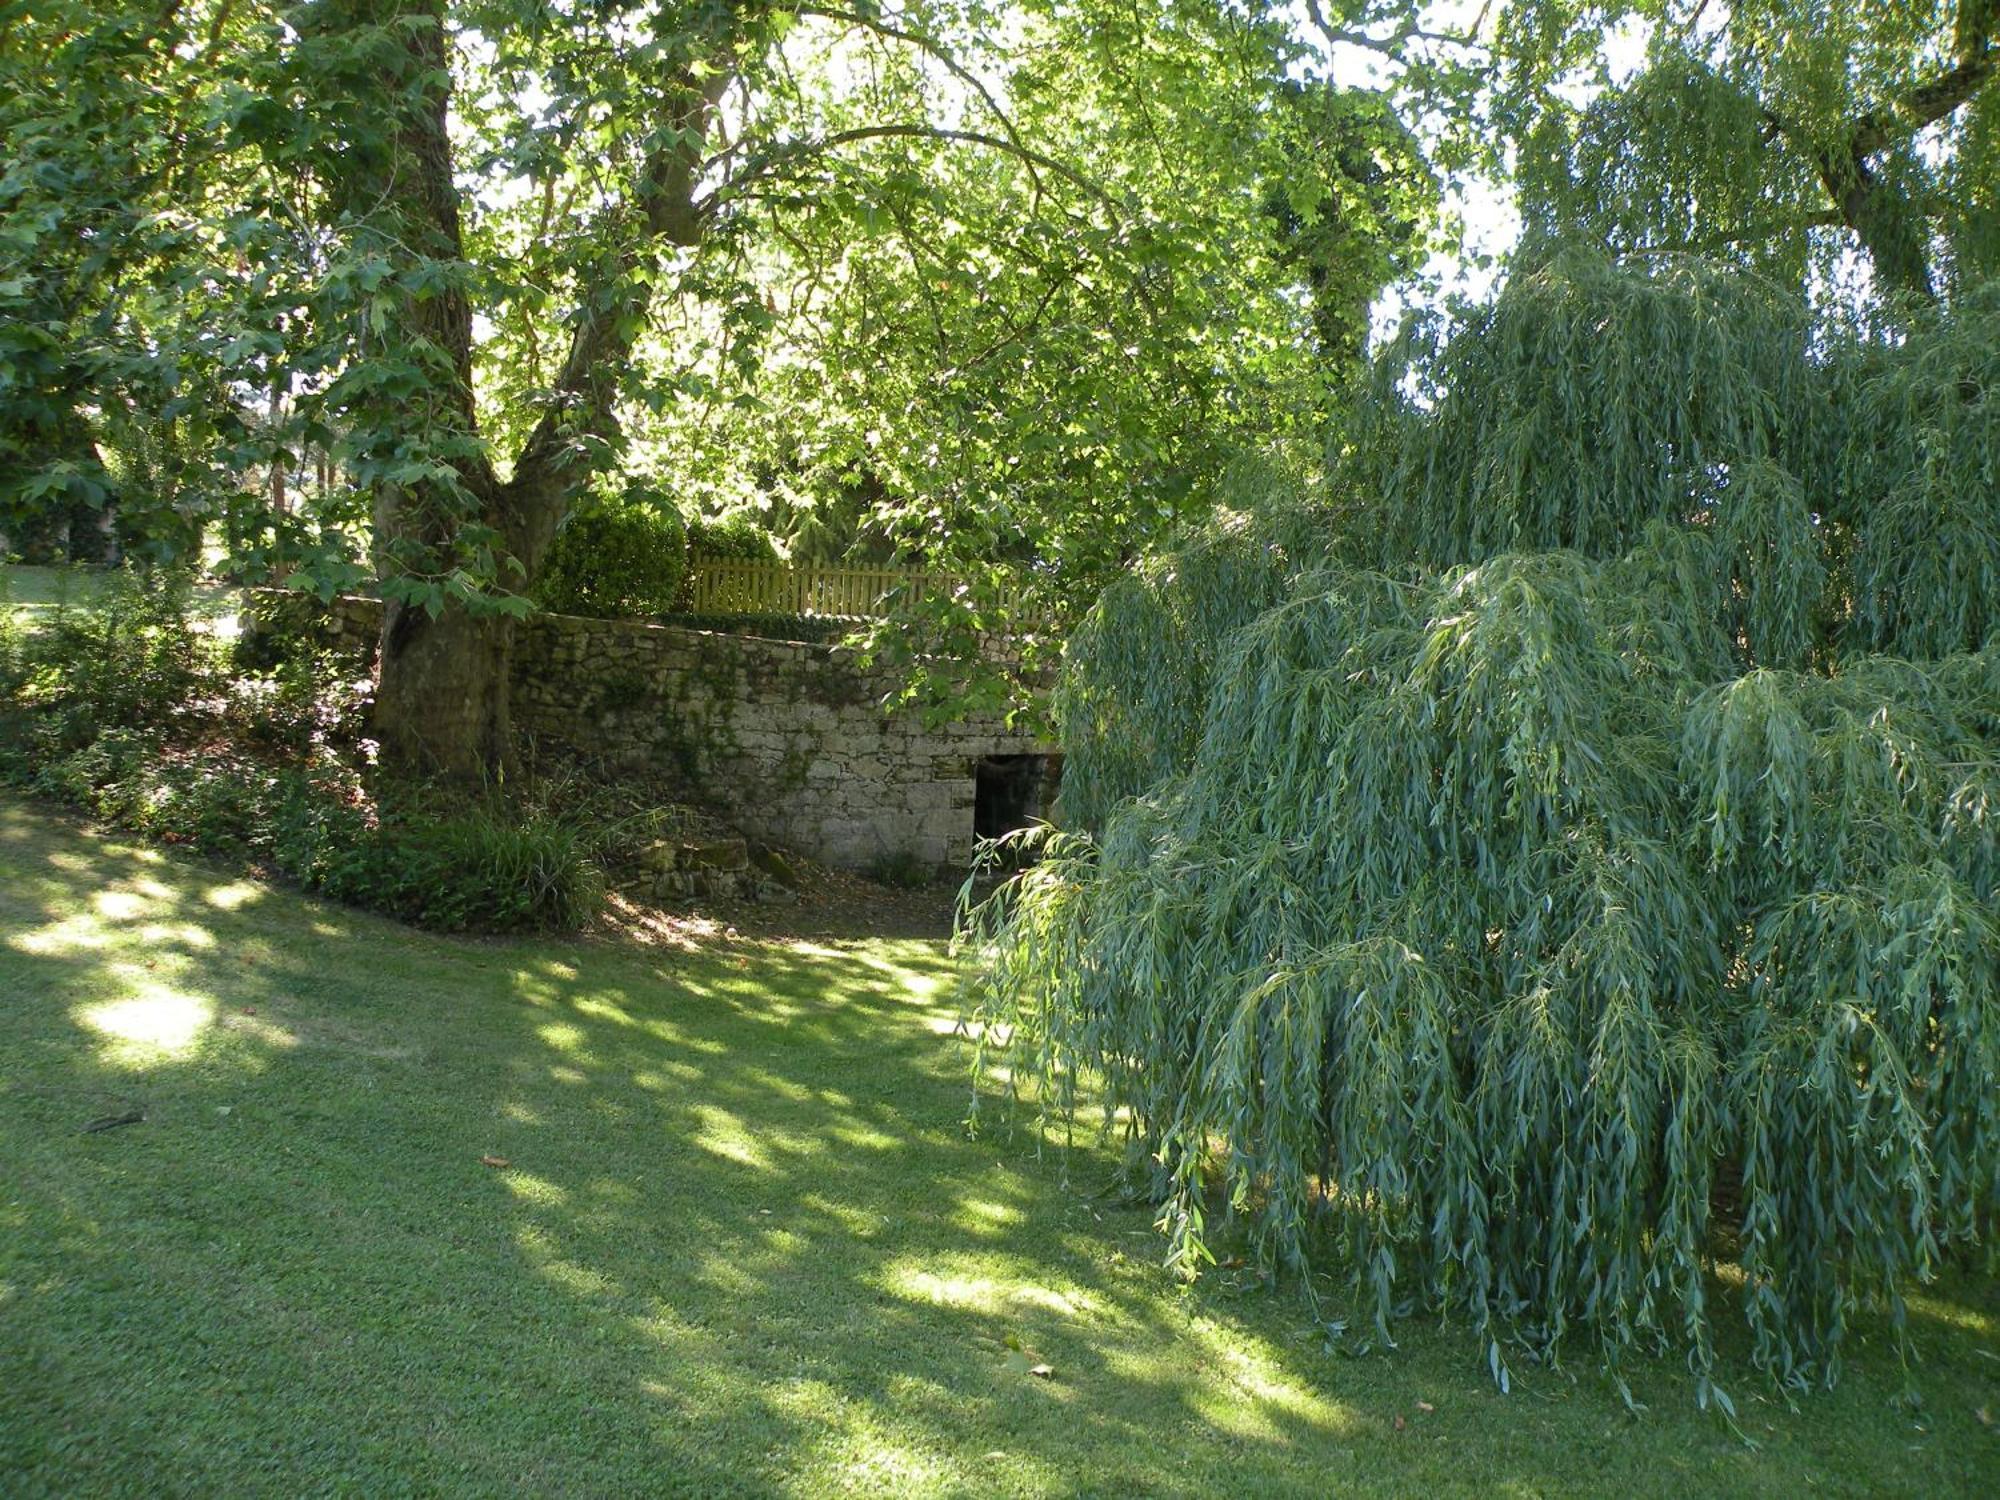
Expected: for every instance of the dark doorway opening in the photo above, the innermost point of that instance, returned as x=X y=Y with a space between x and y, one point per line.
x=1012 y=792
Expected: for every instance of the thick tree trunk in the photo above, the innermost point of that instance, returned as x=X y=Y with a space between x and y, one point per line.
x=1895 y=238
x=443 y=696
x=442 y=701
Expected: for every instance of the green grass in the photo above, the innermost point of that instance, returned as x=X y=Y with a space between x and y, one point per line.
x=32 y=592
x=743 y=1244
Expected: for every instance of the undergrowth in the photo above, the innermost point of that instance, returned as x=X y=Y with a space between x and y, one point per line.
x=124 y=708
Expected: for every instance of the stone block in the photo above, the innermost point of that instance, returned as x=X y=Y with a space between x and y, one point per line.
x=716 y=855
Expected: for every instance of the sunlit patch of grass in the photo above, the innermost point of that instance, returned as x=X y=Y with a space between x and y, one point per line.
x=409 y=1214
x=32 y=593
x=235 y=894
x=156 y=1023
x=563 y=1037
x=722 y=1134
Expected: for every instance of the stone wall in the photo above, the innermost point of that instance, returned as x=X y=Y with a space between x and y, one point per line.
x=786 y=740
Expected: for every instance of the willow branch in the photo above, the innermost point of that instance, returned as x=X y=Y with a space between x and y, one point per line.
x=1826 y=218
x=1924 y=106
x=1391 y=46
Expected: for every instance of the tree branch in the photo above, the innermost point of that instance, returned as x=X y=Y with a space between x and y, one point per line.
x=614 y=311
x=1898 y=253
x=784 y=155
x=1975 y=35
x=937 y=50
x=1391 y=46
x=1923 y=106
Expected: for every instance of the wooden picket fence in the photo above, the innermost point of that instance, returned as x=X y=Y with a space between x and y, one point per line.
x=732 y=586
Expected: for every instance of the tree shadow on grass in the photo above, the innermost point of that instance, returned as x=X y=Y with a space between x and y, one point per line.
x=737 y=1240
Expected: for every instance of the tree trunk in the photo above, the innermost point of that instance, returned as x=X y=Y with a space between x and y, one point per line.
x=442 y=700
x=1894 y=237
x=441 y=695
x=444 y=688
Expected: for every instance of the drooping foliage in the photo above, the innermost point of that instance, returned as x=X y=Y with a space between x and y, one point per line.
x=1805 y=140
x=1585 y=872
x=1127 y=724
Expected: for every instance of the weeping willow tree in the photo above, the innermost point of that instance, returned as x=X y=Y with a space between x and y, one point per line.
x=1579 y=870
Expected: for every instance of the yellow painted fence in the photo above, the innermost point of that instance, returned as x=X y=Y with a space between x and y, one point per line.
x=731 y=586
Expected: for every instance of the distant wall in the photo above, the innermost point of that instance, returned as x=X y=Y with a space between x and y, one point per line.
x=786 y=740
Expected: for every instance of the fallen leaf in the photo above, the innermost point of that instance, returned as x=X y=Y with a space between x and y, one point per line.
x=249 y=1010
x=1425 y=1407
x=1400 y=1423
x=493 y=1161
x=1985 y=1417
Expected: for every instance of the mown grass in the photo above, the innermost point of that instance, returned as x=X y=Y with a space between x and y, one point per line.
x=30 y=591
x=33 y=592
x=742 y=1244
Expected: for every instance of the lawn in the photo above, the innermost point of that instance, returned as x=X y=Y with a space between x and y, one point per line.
x=416 y=1216
x=32 y=592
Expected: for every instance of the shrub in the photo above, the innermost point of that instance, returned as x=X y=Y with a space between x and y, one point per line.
x=310 y=701
x=778 y=627
x=451 y=868
x=735 y=537
x=13 y=647
x=128 y=657
x=472 y=870
x=614 y=559
x=902 y=870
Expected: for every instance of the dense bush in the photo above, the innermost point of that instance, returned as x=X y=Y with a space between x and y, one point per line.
x=473 y=869
x=1586 y=869
x=456 y=868
x=127 y=656
x=735 y=537
x=615 y=558
x=13 y=647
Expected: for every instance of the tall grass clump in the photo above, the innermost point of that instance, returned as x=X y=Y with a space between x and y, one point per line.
x=1585 y=873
